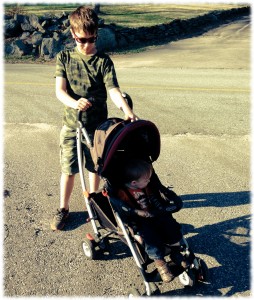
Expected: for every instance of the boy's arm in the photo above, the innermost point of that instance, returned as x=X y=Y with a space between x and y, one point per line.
x=117 y=98
x=62 y=95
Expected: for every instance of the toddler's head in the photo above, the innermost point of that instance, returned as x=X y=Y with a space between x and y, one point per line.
x=137 y=173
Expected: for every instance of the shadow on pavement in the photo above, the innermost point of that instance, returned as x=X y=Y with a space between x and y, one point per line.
x=227 y=242
x=75 y=220
x=216 y=199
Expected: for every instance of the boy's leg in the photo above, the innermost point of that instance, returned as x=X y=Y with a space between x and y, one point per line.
x=66 y=188
x=94 y=182
x=69 y=165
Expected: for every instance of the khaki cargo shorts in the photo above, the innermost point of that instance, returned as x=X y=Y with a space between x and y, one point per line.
x=68 y=152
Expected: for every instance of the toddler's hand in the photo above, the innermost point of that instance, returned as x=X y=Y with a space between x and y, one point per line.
x=144 y=214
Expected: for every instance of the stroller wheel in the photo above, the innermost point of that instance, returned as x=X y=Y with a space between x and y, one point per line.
x=88 y=248
x=134 y=293
x=188 y=278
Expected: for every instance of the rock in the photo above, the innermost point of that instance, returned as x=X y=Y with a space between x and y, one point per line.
x=21 y=18
x=66 y=23
x=36 y=38
x=25 y=35
x=34 y=21
x=50 y=47
x=12 y=28
x=27 y=27
x=18 y=48
x=106 y=39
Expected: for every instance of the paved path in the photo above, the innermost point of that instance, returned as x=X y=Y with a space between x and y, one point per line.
x=197 y=91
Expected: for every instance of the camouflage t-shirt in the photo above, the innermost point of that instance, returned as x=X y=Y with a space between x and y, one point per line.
x=87 y=76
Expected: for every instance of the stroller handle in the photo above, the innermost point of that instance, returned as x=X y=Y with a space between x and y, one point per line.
x=128 y=99
x=82 y=129
x=79 y=115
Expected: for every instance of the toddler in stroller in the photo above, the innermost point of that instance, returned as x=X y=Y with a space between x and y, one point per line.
x=150 y=216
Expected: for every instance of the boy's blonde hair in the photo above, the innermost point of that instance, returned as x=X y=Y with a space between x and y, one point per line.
x=84 y=19
x=134 y=169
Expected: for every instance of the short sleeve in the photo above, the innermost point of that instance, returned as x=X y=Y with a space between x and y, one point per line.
x=109 y=75
x=60 y=66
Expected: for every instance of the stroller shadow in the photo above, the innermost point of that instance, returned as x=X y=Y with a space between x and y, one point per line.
x=227 y=242
x=226 y=245
x=116 y=250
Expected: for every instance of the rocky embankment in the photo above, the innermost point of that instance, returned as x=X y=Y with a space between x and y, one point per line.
x=43 y=37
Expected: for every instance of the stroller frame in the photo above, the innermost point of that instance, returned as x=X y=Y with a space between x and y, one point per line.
x=97 y=203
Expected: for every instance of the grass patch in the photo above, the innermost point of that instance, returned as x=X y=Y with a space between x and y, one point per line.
x=24 y=59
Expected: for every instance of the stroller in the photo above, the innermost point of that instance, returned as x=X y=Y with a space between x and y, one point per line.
x=114 y=141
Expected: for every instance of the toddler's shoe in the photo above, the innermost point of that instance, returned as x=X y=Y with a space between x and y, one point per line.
x=164 y=271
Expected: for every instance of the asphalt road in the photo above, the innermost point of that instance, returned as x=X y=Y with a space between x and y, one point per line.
x=197 y=91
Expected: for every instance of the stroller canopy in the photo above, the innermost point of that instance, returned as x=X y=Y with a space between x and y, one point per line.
x=116 y=140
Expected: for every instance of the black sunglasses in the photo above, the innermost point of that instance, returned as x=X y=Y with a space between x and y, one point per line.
x=90 y=40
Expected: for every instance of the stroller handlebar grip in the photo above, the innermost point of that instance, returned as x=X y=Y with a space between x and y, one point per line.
x=79 y=115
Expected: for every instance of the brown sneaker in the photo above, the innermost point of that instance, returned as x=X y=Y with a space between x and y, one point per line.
x=59 y=219
x=164 y=271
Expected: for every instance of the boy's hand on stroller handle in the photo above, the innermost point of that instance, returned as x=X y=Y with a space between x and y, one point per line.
x=131 y=117
x=83 y=104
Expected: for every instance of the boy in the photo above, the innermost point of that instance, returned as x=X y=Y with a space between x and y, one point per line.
x=81 y=74
x=152 y=218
